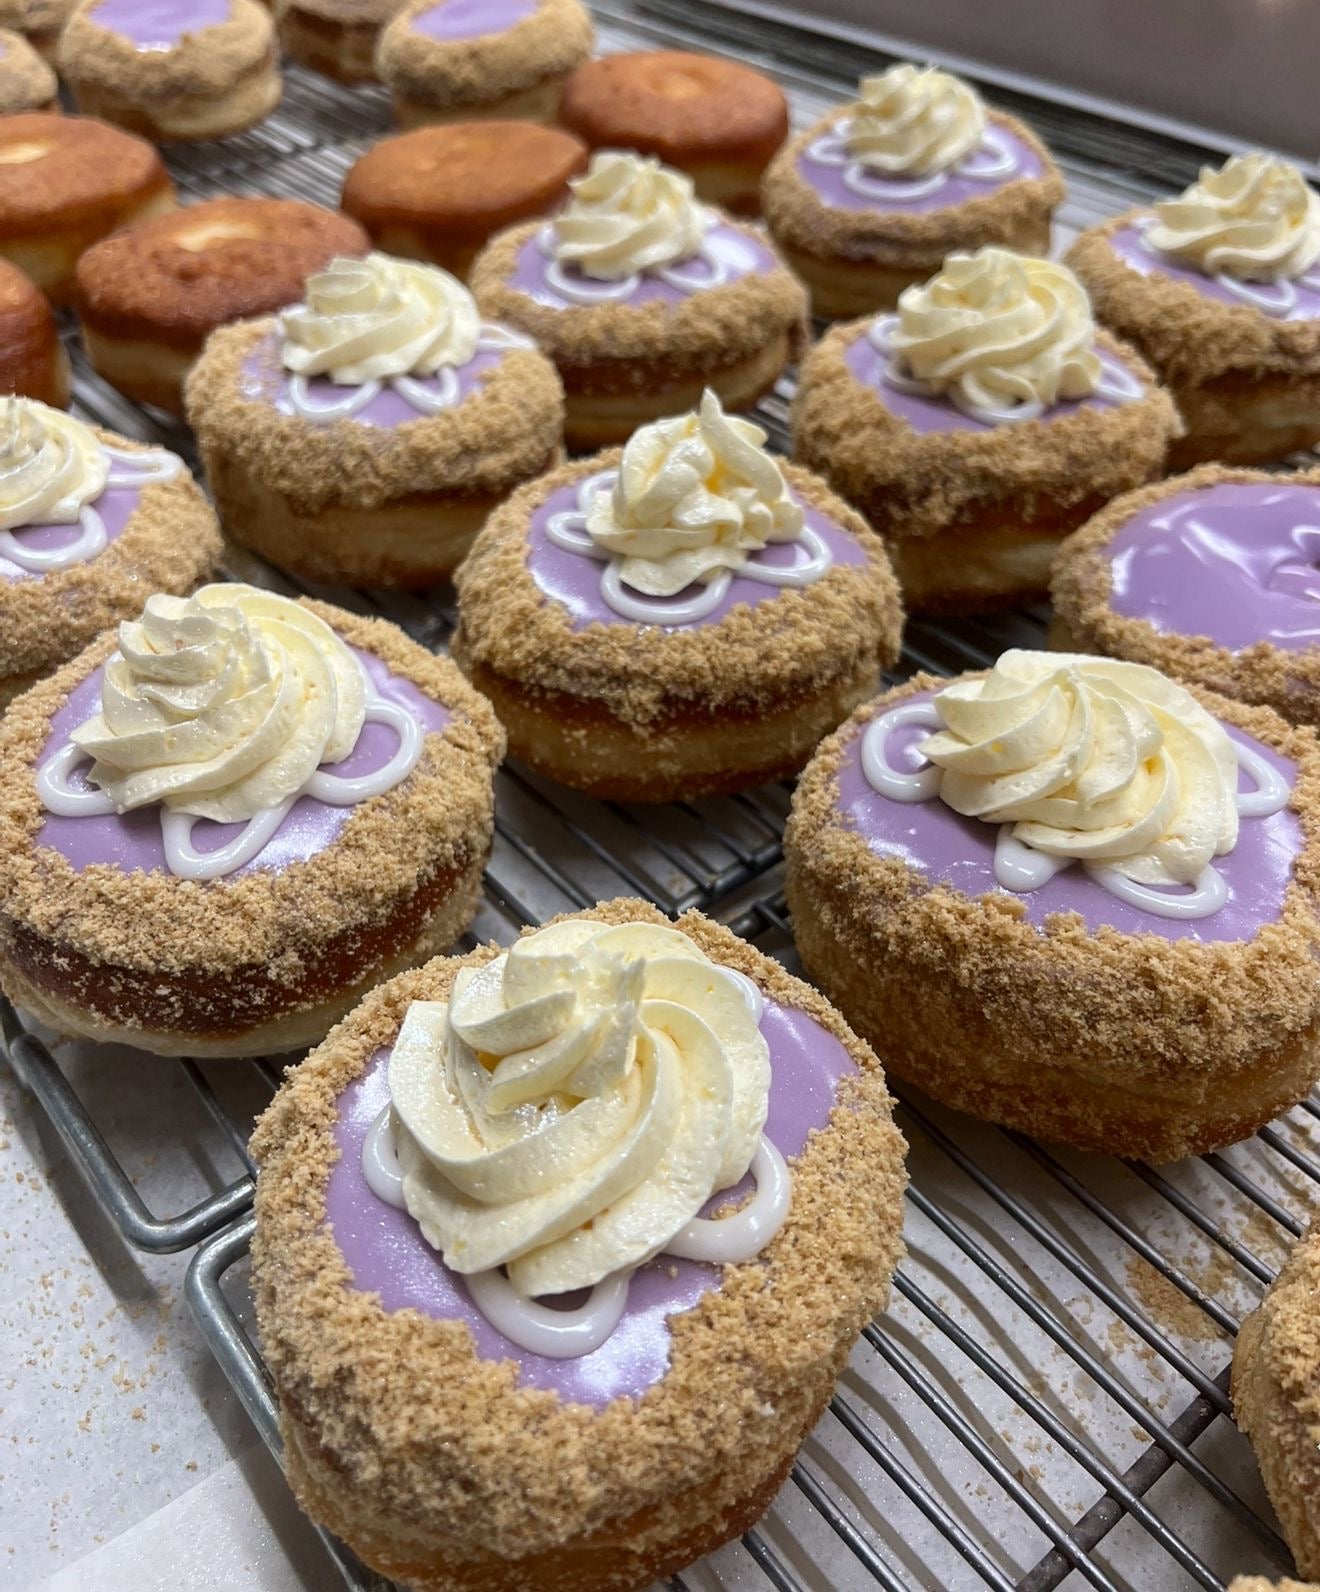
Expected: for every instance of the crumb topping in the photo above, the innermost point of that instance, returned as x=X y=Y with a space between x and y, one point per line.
x=203 y=64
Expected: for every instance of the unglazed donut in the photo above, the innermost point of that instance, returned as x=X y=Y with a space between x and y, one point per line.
x=365 y=440
x=719 y=121
x=641 y=662
x=65 y=182
x=1219 y=290
x=39 y=21
x=497 y=1468
x=1075 y=1009
x=643 y=299
x=874 y=196
x=1209 y=576
x=171 y=71
x=335 y=37
x=1276 y=1397
x=441 y=193
x=454 y=60
x=263 y=931
x=975 y=451
x=81 y=540
x=33 y=361
x=150 y=296
x=27 y=81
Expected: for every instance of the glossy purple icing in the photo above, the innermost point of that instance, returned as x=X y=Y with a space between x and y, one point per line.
x=159 y=24
x=867 y=364
x=263 y=379
x=387 y=1254
x=1130 y=247
x=133 y=840
x=736 y=247
x=469 y=19
x=115 y=506
x=1235 y=561
x=948 y=848
x=956 y=189
x=573 y=579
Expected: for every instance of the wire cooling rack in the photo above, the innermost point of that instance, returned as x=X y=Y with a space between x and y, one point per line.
x=1045 y=1404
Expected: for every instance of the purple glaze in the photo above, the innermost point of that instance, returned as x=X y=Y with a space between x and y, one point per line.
x=388 y=1256
x=956 y=189
x=159 y=24
x=469 y=19
x=115 y=506
x=736 y=247
x=1237 y=562
x=866 y=363
x=573 y=579
x=133 y=840
x=948 y=848
x=263 y=379
x=1130 y=247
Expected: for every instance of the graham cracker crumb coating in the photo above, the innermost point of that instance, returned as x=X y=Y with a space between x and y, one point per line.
x=1274 y=677
x=469 y=1475
x=717 y=325
x=1262 y=1583
x=789 y=646
x=499 y=435
x=171 y=544
x=1276 y=1396
x=1187 y=336
x=203 y=64
x=436 y=821
x=918 y=484
x=1175 y=1039
x=27 y=83
x=799 y=218
x=453 y=73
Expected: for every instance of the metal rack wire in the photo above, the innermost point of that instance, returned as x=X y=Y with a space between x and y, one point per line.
x=1045 y=1405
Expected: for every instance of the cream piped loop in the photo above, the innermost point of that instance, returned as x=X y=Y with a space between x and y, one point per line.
x=1255 y=219
x=912 y=121
x=1087 y=760
x=628 y=214
x=1002 y=336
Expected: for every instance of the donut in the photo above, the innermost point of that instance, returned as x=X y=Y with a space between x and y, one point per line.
x=33 y=360
x=173 y=72
x=976 y=464
x=719 y=121
x=665 y=652
x=305 y=885
x=335 y=37
x=455 y=60
x=1219 y=291
x=1276 y=1397
x=441 y=193
x=667 y=1422
x=27 y=81
x=39 y=21
x=379 y=479
x=643 y=298
x=876 y=194
x=1144 y=1002
x=65 y=182
x=149 y=297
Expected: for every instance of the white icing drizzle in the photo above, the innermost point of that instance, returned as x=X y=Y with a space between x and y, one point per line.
x=126 y=469
x=1276 y=299
x=994 y=160
x=1117 y=383
x=567 y=530
x=425 y=396
x=58 y=795
x=705 y=269
x=1021 y=868
x=380 y=1161
x=748 y=1231
x=540 y=1329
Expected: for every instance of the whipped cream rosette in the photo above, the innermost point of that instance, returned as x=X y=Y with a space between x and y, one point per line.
x=628 y=214
x=1255 y=219
x=913 y=120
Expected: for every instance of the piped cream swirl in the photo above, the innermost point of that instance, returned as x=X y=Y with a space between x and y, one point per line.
x=695 y=494
x=628 y=214
x=996 y=330
x=1092 y=759
x=51 y=465
x=576 y=1103
x=1254 y=219
x=366 y=320
x=914 y=120
x=222 y=705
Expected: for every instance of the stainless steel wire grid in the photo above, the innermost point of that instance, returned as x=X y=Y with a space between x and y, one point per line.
x=1045 y=1404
